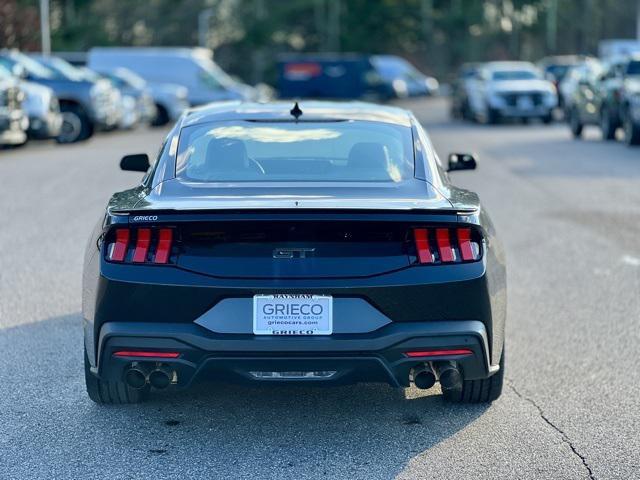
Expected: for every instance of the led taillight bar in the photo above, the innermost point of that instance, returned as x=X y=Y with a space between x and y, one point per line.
x=446 y=245
x=119 y=250
x=142 y=245
x=145 y=239
x=145 y=354
x=164 y=245
x=439 y=353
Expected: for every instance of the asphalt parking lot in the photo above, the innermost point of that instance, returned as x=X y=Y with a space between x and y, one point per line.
x=569 y=215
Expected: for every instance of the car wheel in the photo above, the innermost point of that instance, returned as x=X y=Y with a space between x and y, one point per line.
x=75 y=125
x=493 y=116
x=547 y=119
x=631 y=132
x=110 y=393
x=478 y=391
x=161 y=118
x=575 y=123
x=607 y=125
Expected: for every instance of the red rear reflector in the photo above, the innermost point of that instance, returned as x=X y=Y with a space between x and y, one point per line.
x=421 y=236
x=464 y=239
x=439 y=353
x=142 y=245
x=164 y=245
x=444 y=245
x=119 y=250
x=135 y=353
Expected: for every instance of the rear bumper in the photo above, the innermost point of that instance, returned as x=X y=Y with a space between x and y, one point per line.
x=377 y=356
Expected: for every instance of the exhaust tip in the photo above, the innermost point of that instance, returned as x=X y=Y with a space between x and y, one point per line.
x=424 y=380
x=160 y=379
x=449 y=375
x=135 y=378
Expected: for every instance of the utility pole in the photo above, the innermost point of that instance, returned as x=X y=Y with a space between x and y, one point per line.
x=552 y=25
x=45 y=32
x=204 y=18
x=334 y=25
x=638 y=20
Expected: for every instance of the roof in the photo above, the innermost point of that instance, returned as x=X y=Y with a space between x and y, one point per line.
x=508 y=65
x=311 y=111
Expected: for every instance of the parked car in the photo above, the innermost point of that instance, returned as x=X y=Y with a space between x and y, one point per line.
x=14 y=121
x=43 y=109
x=193 y=68
x=460 y=87
x=511 y=90
x=263 y=249
x=134 y=87
x=85 y=105
x=570 y=82
x=620 y=106
x=112 y=98
x=334 y=76
x=556 y=68
x=407 y=80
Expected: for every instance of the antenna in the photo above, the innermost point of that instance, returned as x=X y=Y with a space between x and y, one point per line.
x=295 y=111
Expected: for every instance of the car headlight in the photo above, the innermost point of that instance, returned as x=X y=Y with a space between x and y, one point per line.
x=400 y=87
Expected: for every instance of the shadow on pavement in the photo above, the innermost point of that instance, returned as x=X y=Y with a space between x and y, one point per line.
x=211 y=430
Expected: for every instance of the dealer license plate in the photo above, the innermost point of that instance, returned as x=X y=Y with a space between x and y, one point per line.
x=292 y=314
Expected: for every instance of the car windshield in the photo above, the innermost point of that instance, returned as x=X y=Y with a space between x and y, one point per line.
x=32 y=67
x=293 y=152
x=505 y=75
x=63 y=69
x=633 y=68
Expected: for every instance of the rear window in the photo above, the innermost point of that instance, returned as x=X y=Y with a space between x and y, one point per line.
x=506 y=75
x=294 y=152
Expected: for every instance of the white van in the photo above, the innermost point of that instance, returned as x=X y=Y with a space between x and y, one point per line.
x=192 y=68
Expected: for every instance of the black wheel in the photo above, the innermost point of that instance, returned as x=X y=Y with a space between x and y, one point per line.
x=607 y=124
x=110 y=393
x=478 y=391
x=547 y=119
x=161 y=118
x=493 y=116
x=76 y=126
x=575 y=123
x=631 y=131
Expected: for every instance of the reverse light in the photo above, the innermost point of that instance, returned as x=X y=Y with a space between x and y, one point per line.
x=439 y=353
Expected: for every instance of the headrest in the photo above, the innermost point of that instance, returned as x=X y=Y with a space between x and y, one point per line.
x=368 y=155
x=226 y=155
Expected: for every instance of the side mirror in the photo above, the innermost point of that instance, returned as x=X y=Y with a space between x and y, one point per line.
x=138 y=162
x=461 y=161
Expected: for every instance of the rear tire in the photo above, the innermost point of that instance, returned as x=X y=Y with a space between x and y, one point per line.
x=110 y=393
x=631 y=132
x=493 y=117
x=547 y=119
x=575 y=124
x=607 y=125
x=478 y=391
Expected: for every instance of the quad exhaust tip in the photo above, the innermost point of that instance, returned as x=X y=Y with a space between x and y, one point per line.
x=159 y=377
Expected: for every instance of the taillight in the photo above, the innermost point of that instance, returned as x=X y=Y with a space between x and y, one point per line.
x=446 y=245
x=140 y=245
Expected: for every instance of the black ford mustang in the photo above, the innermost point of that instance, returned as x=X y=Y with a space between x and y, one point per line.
x=319 y=244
